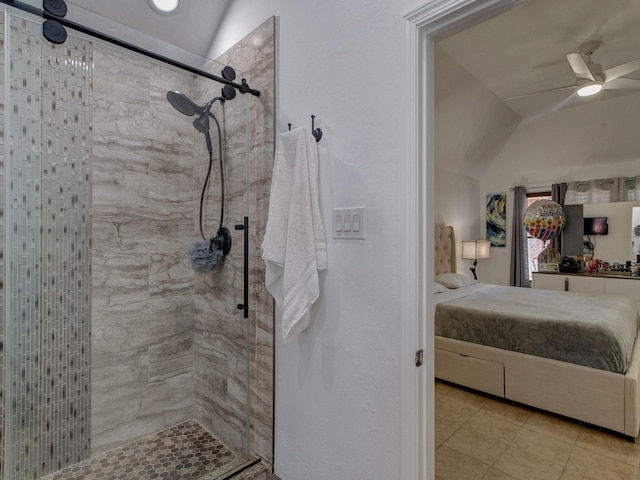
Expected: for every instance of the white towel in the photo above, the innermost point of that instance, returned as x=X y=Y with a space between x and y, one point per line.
x=294 y=247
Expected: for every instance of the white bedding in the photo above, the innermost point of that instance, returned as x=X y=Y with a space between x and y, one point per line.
x=454 y=293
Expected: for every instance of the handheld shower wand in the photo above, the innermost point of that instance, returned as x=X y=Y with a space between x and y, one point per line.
x=204 y=259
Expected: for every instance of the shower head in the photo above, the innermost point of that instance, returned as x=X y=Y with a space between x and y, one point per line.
x=188 y=107
x=184 y=104
x=202 y=122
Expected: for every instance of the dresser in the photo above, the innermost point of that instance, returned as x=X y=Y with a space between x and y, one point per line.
x=590 y=283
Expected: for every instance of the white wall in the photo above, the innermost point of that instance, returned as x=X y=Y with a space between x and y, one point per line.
x=338 y=390
x=579 y=143
x=455 y=205
x=616 y=246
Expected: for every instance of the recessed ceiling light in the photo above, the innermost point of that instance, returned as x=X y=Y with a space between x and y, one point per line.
x=166 y=7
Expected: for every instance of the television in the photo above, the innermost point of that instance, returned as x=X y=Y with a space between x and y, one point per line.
x=596 y=226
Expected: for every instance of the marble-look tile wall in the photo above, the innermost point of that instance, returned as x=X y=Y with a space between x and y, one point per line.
x=167 y=343
x=255 y=55
x=143 y=196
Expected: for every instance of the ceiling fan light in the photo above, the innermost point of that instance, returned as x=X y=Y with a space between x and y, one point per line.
x=589 y=88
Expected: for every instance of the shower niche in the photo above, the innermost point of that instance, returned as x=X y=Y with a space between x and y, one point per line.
x=109 y=336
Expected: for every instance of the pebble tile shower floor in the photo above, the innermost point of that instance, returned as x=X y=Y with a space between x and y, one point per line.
x=184 y=451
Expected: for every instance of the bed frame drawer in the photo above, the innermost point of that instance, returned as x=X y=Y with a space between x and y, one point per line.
x=471 y=372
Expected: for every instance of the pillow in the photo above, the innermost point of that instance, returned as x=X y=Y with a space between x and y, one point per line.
x=439 y=288
x=454 y=280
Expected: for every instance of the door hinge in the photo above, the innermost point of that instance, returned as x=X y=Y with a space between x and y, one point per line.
x=419 y=358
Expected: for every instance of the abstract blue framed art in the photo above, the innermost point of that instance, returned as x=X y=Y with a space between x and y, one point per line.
x=497 y=219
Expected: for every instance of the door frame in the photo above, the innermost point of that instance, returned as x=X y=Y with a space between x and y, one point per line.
x=423 y=27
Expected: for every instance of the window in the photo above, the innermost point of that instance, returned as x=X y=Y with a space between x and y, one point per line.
x=535 y=246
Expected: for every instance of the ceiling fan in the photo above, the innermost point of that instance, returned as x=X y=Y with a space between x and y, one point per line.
x=590 y=78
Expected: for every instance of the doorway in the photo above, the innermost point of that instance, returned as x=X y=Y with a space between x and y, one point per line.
x=425 y=26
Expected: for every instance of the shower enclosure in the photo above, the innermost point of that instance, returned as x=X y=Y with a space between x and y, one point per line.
x=107 y=333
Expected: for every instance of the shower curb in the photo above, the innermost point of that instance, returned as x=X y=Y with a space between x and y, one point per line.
x=257 y=471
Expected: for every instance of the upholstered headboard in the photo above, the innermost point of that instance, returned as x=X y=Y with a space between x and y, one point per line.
x=445 y=259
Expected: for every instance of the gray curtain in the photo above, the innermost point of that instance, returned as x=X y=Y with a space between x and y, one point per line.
x=519 y=274
x=558 y=191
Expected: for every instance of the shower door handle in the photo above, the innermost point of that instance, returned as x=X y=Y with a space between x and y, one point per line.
x=244 y=227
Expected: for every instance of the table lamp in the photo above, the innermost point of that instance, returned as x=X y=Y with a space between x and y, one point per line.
x=475 y=250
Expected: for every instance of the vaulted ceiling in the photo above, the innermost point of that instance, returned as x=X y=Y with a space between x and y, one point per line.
x=524 y=50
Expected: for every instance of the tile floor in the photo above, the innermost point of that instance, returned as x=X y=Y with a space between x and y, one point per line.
x=478 y=437
x=184 y=451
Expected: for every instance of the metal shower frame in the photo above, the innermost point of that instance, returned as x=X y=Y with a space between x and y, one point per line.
x=54 y=11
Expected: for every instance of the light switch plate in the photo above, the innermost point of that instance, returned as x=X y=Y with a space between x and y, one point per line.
x=348 y=222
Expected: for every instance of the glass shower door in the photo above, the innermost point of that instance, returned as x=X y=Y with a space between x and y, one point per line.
x=108 y=333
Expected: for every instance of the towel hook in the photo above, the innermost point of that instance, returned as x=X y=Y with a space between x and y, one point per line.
x=316 y=132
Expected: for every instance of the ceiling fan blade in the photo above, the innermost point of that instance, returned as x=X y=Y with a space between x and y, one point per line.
x=579 y=66
x=556 y=89
x=553 y=108
x=622 y=84
x=621 y=70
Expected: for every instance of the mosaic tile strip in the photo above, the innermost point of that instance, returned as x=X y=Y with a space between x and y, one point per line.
x=23 y=167
x=185 y=451
x=49 y=220
x=65 y=347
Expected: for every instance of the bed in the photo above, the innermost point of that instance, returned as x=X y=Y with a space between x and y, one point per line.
x=589 y=372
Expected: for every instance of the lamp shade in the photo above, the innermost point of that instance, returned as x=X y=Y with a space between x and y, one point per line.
x=475 y=249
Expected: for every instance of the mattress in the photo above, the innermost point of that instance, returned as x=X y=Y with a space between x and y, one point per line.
x=596 y=331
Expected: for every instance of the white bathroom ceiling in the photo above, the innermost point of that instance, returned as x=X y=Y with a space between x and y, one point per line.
x=192 y=28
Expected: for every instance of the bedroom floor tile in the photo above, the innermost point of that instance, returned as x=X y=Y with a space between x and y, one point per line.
x=493 y=426
x=542 y=446
x=553 y=427
x=610 y=446
x=455 y=412
x=511 y=413
x=480 y=437
x=443 y=389
x=524 y=465
x=476 y=445
x=494 y=474
x=453 y=465
x=468 y=399
x=444 y=428
x=596 y=466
